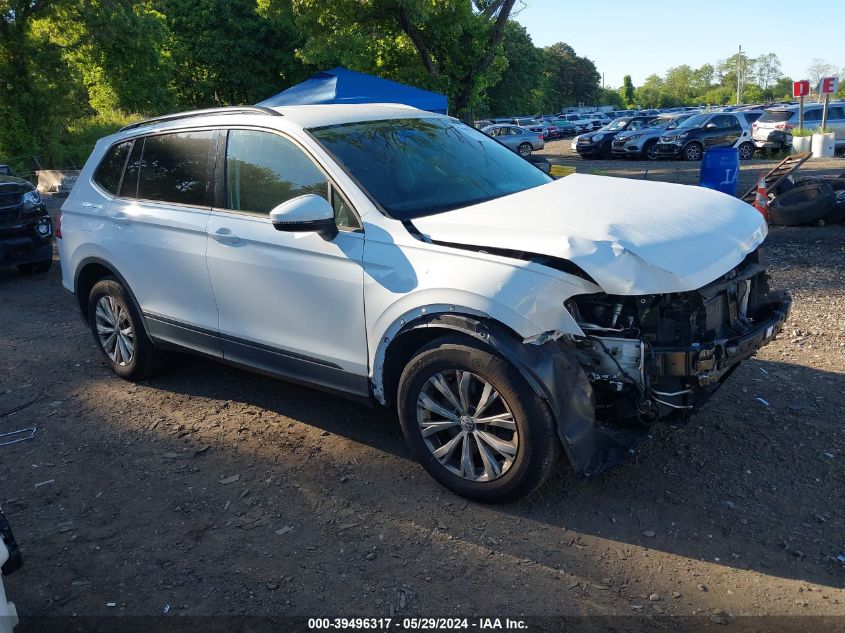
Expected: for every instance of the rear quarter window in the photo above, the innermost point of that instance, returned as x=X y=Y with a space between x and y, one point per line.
x=110 y=170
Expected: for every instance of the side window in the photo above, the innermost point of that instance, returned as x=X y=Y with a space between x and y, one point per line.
x=723 y=121
x=835 y=112
x=264 y=169
x=110 y=169
x=177 y=168
x=813 y=115
x=344 y=216
x=129 y=185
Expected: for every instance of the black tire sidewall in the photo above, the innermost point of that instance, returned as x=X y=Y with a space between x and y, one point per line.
x=803 y=212
x=746 y=144
x=539 y=446
x=146 y=355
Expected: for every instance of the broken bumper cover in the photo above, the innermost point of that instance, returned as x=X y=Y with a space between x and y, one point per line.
x=709 y=363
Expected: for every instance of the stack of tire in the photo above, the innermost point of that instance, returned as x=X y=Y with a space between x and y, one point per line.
x=809 y=200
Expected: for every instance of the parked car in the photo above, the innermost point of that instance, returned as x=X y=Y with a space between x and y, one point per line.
x=519 y=139
x=25 y=227
x=549 y=130
x=529 y=124
x=582 y=124
x=402 y=258
x=642 y=143
x=702 y=131
x=565 y=128
x=773 y=130
x=10 y=562
x=599 y=144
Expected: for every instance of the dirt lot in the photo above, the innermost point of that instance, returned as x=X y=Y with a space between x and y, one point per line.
x=209 y=490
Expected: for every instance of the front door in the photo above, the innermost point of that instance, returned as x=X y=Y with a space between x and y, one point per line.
x=290 y=303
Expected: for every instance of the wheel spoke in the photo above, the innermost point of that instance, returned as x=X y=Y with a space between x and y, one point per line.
x=467 y=468
x=502 y=420
x=491 y=466
x=464 y=379
x=444 y=452
x=426 y=402
x=118 y=351
x=443 y=387
x=497 y=444
x=430 y=428
x=103 y=329
x=103 y=315
x=488 y=396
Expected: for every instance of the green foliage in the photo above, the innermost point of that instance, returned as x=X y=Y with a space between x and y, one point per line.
x=627 y=92
x=799 y=132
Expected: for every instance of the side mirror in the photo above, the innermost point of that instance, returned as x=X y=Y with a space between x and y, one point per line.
x=539 y=162
x=308 y=213
x=710 y=126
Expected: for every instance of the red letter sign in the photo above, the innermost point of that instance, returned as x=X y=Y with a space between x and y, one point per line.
x=828 y=85
x=800 y=88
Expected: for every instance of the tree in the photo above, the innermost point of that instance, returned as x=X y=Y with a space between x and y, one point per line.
x=572 y=79
x=678 y=83
x=767 y=69
x=521 y=87
x=648 y=95
x=230 y=51
x=453 y=45
x=627 y=92
x=817 y=69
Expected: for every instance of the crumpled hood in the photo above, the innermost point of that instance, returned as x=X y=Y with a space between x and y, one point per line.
x=632 y=237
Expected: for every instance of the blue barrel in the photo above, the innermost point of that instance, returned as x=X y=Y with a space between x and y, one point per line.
x=720 y=169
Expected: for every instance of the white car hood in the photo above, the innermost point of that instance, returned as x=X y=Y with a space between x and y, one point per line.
x=631 y=236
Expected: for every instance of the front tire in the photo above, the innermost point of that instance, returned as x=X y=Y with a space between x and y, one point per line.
x=473 y=422
x=524 y=149
x=119 y=333
x=694 y=151
x=650 y=150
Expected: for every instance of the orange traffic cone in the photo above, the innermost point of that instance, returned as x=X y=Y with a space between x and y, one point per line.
x=761 y=200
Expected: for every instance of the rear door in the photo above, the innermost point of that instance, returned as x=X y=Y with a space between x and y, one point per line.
x=153 y=231
x=836 y=121
x=290 y=303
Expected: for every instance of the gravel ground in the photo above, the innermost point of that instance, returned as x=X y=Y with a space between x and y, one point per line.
x=209 y=490
x=559 y=152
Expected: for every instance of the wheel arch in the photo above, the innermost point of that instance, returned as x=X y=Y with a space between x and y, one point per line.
x=93 y=269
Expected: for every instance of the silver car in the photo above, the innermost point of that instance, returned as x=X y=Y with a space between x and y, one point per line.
x=641 y=143
x=520 y=140
x=773 y=130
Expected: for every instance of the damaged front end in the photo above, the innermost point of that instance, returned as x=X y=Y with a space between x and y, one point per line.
x=663 y=355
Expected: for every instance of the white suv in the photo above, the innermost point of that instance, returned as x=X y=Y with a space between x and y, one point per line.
x=403 y=258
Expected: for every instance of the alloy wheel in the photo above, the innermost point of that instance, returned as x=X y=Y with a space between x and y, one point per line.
x=467 y=425
x=114 y=330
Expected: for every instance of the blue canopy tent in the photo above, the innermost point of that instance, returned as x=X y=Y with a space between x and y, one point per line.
x=341 y=85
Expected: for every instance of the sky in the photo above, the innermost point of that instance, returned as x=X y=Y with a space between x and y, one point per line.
x=641 y=38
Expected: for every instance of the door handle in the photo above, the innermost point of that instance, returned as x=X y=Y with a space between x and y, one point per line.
x=225 y=236
x=91 y=205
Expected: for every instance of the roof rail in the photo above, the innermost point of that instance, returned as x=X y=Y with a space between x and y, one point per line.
x=206 y=112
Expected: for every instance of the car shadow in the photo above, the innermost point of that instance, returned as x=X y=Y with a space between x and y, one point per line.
x=742 y=484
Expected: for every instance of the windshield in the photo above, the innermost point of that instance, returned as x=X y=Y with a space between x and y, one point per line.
x=659 y=122
x=694 y=121
x=618 y=124
x=417 y=167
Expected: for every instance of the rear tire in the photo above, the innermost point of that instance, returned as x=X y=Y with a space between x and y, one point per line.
x=503 y=459
x=746 y=151
x=694 y=151
x=119 y=333
x=802 y=205
x=524 y=149
x=35 y=268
